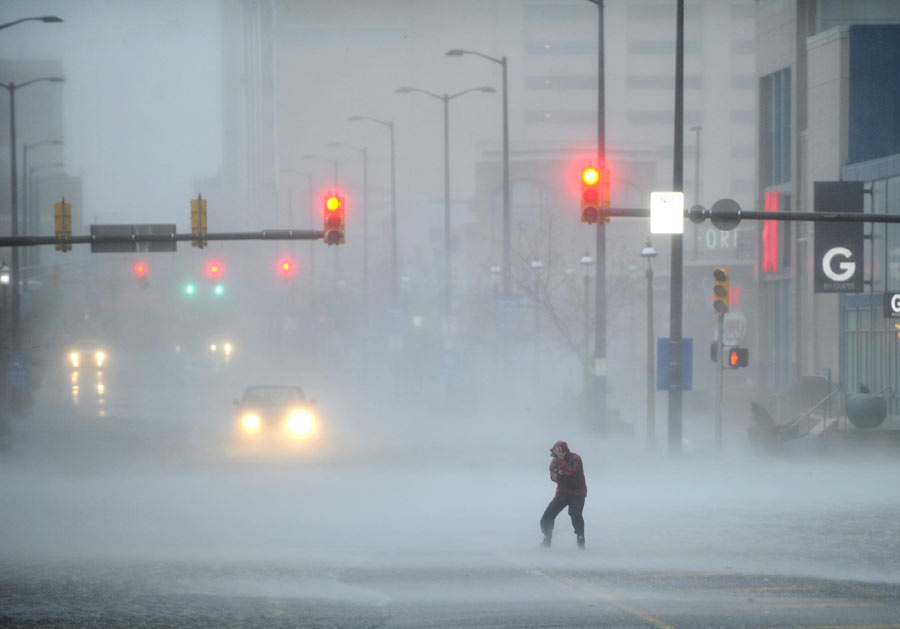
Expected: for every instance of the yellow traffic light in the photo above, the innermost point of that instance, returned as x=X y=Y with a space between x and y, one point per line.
x=721 y=289
x=590 y=176
x=334 y=219
x=594 y=195
x=198 y=220
x=62 y=222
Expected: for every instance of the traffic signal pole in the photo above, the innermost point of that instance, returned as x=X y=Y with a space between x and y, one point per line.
x=675 y=314
x=599 y=367
x=720 y=375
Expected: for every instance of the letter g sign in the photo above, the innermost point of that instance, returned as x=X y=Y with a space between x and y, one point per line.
x=846 y=269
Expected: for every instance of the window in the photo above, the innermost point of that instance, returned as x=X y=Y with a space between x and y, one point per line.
x=775 y=128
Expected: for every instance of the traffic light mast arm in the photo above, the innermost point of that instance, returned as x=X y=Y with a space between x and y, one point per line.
x=266 y=234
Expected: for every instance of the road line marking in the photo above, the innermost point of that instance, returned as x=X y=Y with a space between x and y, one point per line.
x=835 y=627
x=609 y=600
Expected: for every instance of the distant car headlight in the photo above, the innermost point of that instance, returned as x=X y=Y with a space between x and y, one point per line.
x=250 y=422
x=300 y=423
x=100 y=357
x=227 y=349
x=213 y=347
x=74 y=358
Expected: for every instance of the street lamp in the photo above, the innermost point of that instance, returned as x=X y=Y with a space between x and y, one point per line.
x=586 y=263
x=14 y=197
x=28 y=217
x=390 y=126
x=26 y=178
x=648 y=253
x=333 y=162
x=49 y=19
x=446 y=98
x=310 y=211
x=507 y=273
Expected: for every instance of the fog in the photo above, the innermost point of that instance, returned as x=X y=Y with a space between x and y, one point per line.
x=432 y=425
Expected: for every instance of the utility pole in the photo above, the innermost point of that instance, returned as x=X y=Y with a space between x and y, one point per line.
x=675 y=316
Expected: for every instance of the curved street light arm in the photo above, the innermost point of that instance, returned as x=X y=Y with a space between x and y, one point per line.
x=484 y=88
x=407 y=90
x=457 y=52
x=45 y=18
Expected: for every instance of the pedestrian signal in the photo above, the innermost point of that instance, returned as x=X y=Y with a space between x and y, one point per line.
x=738 y=357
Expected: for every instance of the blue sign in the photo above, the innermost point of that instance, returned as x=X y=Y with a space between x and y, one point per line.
x=395 y=321
x=662 y=364
x=17 y=372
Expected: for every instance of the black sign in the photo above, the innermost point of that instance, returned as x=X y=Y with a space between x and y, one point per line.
x=891 y=306
x=115 y=238
x=839 y=246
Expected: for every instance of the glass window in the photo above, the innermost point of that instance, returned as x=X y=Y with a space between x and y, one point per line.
x=775 y=127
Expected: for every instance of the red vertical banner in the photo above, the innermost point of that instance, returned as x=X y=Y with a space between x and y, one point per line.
x=770 y=236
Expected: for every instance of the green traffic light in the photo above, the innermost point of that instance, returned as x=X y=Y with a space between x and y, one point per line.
x=189 y=289
x=219 y=290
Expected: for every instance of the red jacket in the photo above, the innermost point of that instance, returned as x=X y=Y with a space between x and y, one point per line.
x=568 y=473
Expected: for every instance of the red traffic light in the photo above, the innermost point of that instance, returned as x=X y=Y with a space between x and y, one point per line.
x=214 y=269
x=140 y=269
x=286 y=267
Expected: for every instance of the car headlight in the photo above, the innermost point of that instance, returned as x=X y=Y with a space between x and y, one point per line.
x=300 y=423
x=227 y=349
x=74 y=358
x=250 y=422
x=213 y=347
x=100 y=357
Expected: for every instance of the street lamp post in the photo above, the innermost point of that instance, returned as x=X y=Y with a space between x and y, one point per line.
x=586 y=262
x=14 y=200
x=29 y=216
x=26 y=178
x=446 y=98
x=333 y=162
x=507 y=272
x=648 y=253
x=390 y=126
x=46 y=18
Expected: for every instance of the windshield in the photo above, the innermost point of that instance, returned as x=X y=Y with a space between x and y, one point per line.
x=273 y=396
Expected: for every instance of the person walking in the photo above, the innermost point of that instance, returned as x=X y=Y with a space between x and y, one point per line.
x=567 y=471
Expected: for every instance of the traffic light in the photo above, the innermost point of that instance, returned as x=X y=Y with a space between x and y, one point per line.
x=190 y=289
x=334 y=219
x=737 y=357
x=721 y=289
x=214 y=269
x=595 y=195
x=140 y=270
x=218 y=290
x=62 y=221
x=198 y=220
x=286 y=267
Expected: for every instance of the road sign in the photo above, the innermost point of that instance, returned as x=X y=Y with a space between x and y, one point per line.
x=662 y=364
x=838 y=248
x=891 y=305
x=162 y=238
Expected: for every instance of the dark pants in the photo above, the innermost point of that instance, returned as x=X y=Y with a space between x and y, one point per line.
x=576 y=506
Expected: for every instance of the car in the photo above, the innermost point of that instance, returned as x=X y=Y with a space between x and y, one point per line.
x=86 y=355
x=276 y=414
